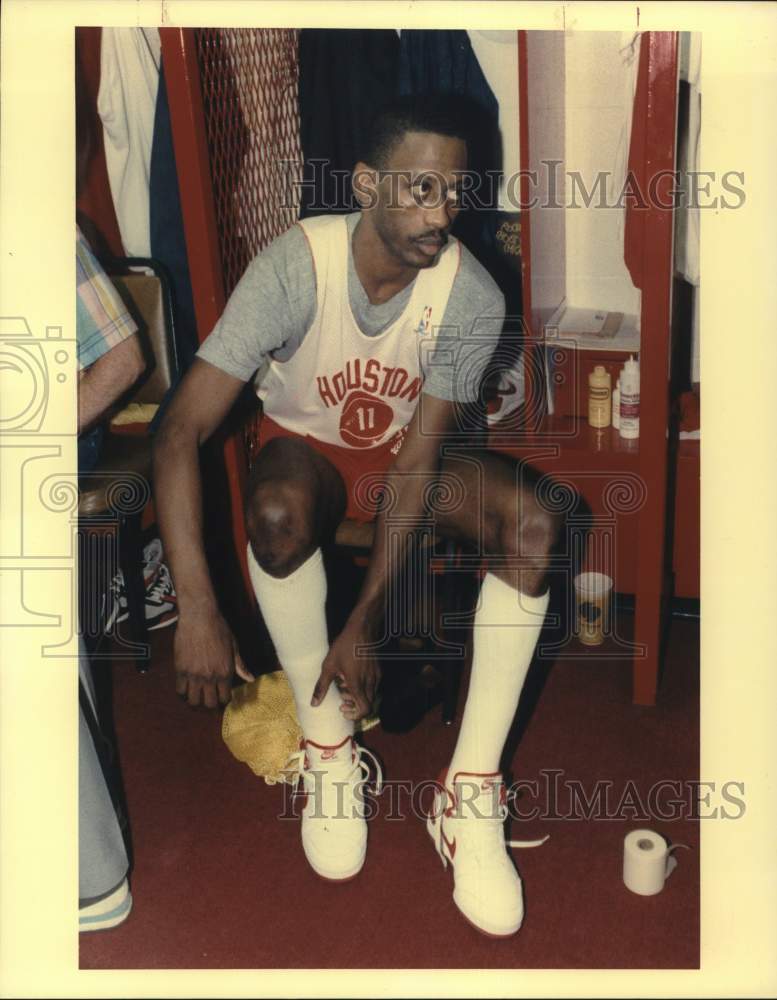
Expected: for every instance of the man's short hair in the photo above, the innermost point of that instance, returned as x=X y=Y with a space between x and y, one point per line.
x=442 y=114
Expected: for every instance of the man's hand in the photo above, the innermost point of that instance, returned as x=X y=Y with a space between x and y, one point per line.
x=205 y=652
x=206 y=657
x=356 y=676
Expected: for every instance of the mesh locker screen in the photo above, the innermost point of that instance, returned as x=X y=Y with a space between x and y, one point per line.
x=249 y=80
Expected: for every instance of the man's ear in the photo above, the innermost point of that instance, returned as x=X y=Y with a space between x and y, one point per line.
x=365 y=185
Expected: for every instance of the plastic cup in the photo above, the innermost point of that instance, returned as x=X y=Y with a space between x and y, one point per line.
x=593 y=592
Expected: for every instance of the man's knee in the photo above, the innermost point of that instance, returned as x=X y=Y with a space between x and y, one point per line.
x=280 y=523
x=528 y=529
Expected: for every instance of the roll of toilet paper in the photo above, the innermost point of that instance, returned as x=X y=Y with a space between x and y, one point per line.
x=647 y=862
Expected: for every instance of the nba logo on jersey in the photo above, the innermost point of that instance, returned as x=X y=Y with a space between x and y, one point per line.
x=425 y=326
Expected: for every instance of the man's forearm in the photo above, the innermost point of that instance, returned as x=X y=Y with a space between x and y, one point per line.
x=399 y=524
x=409 y=480
x=178 y=501
x=106 y=381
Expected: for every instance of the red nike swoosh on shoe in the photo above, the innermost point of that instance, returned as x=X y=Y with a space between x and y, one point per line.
x=450 y=844
x=328 y=754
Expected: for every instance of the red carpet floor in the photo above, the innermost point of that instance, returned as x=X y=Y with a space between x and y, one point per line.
x=220 y=882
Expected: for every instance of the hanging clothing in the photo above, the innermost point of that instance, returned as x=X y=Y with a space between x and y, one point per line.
x=636 y=179
x=443 y=62
x=126 y=104
x=686 y=250
x=167 y=240
x=629 y=50
x=344 y=77
x=497 y=56
x=94 y=203
x=686 y=230
x=686 y=216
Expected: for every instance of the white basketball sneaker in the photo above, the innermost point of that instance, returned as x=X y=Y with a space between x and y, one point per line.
x=334 y=827
x=467 y=827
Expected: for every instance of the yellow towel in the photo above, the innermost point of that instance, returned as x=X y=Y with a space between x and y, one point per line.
x=135 y=413
x=260 y=726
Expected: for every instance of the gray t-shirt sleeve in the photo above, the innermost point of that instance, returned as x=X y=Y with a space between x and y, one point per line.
x=468 y=335
x=272 y=306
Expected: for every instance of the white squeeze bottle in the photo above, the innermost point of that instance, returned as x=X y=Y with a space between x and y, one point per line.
x=616 y=405
x=629 y=408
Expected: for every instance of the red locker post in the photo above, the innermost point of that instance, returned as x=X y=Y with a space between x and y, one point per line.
x=182 y=75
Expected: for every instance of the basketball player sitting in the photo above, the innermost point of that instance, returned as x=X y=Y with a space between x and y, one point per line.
x=377 y=327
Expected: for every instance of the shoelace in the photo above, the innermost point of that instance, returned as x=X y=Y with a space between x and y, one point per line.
x=162 y=586
x=495 y=830
x=349 y=778
x=519 y=843
x=112 y=599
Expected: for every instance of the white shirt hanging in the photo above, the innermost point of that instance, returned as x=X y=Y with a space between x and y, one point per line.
x=126 y=102
x=629 y=49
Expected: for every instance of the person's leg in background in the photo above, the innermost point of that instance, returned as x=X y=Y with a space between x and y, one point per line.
x=103 y=889
x=104 y=899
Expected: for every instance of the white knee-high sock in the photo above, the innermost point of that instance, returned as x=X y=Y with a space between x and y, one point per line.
x=293 y=610
x=506 y=628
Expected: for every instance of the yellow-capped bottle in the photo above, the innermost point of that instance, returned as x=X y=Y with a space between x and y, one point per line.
x=599 y=397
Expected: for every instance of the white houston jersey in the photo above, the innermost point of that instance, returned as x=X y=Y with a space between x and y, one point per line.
x=341 y=386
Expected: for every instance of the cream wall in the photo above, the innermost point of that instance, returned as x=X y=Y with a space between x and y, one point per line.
x=599 y=92
x=546 y=100
x=581 y=87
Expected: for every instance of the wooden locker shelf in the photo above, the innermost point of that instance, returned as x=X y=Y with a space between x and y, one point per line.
x=576 y=440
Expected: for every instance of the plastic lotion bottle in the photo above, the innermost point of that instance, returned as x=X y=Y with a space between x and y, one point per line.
x=616 y=404
x=629 y=409
x=599 y=397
